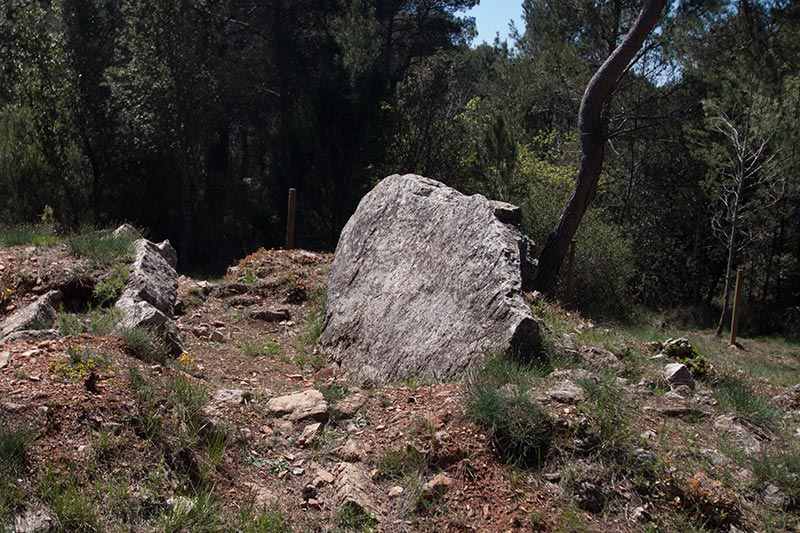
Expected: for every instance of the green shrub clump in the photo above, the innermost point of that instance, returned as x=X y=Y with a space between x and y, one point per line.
x=684 y=353
x=497 y=398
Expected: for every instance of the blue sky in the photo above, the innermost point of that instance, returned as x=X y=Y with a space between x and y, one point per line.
x=492 y=16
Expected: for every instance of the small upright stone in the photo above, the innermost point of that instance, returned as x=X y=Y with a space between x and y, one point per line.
x=678 y=375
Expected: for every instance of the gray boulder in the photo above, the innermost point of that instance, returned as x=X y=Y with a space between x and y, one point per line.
x=152 y=278
x=148 y=298
x=41 y=314
x=426 y=282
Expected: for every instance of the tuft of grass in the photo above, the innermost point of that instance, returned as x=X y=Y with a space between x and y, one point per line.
x=14 y=444
x=69 y=324
x=148 y=402
x=103 y=321
x=266 y=346
x=782 y=468
x=145 y=345
x=308 y=337
x=98 y=322
x=497 y=398
x=73 y=506
x=607 y=412
x=188 y=399
x=519 y=428
x=102 y=247
x=332 y=392
x=267 y=520
x=351 y=517
x=37 y=235
x=736 y=396
x=203 y=514
x=399 y=463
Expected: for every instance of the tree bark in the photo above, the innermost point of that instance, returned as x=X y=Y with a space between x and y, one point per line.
x=592 y=128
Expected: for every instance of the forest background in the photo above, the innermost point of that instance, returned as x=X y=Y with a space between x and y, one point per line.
x=192 y=119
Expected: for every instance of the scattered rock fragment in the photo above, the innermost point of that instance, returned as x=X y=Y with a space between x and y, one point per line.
x=271 y=315
x=395 y=491
x=233 y=396
x=589 y=497
x=677 y=374
x=351 y=451
x=244 y=300
x=773 y=496
x=566 y=391
x=325 y=476
x=735 y=429
x=348 y=407
x=640 y=514
x=309 y=435
x=597 y=357
x=33 y=521
x=5 y=357
x=438 y=486
x=355 y=487
x=304 y=405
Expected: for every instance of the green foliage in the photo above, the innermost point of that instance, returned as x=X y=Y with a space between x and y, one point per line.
x=72 y=504
x=698 y=365
x=397 y=463
x=145 y=344
x=109 y=289
x=781 y=467
x=201 y=513
x=264 y=346
x=498 y=399
x=102 y=247
x=306 y=341
x=39 y=235
x=736 y=396
x=351 y=517
x=332 y=392
x=69 y=324
x=268 y=520
x=14 y=442
x=82 y=361
x=607 y=414
x=99 y=322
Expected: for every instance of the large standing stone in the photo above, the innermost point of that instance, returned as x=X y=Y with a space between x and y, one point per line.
x=148 y=298
x=426 y=282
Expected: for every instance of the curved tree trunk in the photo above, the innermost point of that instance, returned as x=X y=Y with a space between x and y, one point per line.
x=592 y=128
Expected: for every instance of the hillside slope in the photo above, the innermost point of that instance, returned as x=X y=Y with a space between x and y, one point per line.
x=102 y=432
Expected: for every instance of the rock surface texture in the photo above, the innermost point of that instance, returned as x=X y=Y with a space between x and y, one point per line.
x=38 y=315
x=426 y=282
x=151 y=291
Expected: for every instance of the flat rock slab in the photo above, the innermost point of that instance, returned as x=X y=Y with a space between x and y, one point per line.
x=566 y=391
x=306 y=405
x=41 y=314
x=426 y=282
x=32 y=335
x=354 y=487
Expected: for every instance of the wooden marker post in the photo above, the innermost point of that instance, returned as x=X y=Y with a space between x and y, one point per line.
x=290 y=219
x=570 y=273
x=736 y=298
